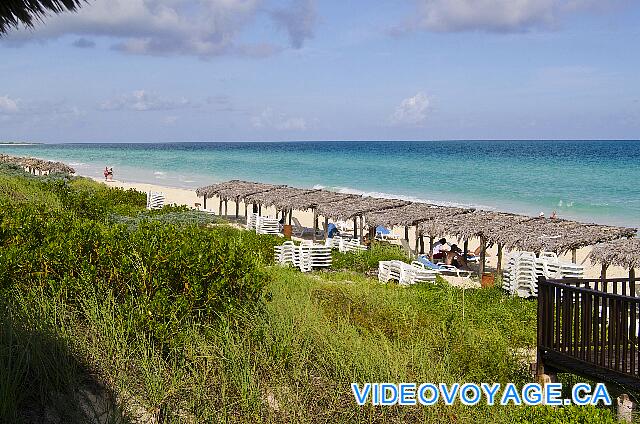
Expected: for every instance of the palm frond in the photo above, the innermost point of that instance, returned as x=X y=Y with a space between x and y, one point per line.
x=14 y=13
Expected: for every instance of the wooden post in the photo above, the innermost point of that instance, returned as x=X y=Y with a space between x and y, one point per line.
x=290 y=215
x=220 y=208
x=355 y=227
x=483 y=254
x=315 y=223
x=574 y=254
x=431 y=248
x=326 y=227
x=421 y=244
x=406 y=233
x=237 y=207
x=226 y=203
x=465 y=249
x=632 y=284
x=245 y=210
x=603 y=271
x=205 y=201
x=499 y=266
x=361 y=226
x=260 y=210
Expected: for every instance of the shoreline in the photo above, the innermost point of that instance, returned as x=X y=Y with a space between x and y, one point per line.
x=188 y=197
x=393 y=172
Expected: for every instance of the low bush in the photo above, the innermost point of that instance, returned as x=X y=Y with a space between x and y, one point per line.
x=367 y=260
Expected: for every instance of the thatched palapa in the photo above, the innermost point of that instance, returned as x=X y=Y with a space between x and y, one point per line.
x=622 y=252
x=410 y=215
x=558 y=235
x=466 y=224
x=313 y=200
x=40 y=165
x=357 y=206
x=235 y=189
x=274 y=197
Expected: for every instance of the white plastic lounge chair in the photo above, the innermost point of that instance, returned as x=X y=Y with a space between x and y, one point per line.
x=443 y=268
x=155 y=200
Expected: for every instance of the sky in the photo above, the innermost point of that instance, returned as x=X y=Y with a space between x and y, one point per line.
x=254 y=70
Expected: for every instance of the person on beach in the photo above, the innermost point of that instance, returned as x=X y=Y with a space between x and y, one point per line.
x=110 y=174
x=554 y=215
x=439 y=249
x=106 y=173
x=455 y=257
x=332 y=230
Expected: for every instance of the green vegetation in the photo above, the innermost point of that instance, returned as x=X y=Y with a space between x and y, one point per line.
x=367 y=261
x=115 y=312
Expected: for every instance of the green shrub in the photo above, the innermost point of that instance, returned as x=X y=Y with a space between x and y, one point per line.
x=367 y=260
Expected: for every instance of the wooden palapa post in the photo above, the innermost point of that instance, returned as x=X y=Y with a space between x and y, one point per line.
x=406 y=233
x=355 y=227
x=603 y=271
x=574 y=255
x=237 y=207
x=361 y=226
x=431 y=248
x=226 y=204
x=326 y=227
x=483 y=254
x=220 y=207
x=204 y=201
x=315 y=223
x=499 y=266
x=421 y=243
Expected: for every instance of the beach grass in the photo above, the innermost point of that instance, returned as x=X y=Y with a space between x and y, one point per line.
x=170 y=320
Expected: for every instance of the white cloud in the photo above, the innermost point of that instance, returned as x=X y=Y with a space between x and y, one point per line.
x=140 y=100
x=8 y=105
x=494 y=15
x=412 y=110
x=299 y=21
x=202 y=28
x=278 y=121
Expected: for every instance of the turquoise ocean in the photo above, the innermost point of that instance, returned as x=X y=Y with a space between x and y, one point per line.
x=591 y=181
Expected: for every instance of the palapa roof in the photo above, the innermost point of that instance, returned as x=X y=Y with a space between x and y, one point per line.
x=558 y=235
x=513 y=231
x=16 y=12
x=313 y=200
x=621 y=252
x=234 y=189
x=38 y=164
x=410 y=215
x=274 y=197
x=356 y=206
x=466 y=224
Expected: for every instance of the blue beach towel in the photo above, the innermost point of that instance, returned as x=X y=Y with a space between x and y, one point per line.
x=426 y=262
x=382 y=230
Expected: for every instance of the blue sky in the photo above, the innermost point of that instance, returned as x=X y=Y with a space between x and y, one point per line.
x=218 y=70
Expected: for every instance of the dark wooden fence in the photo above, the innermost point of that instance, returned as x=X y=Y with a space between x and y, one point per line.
x=590 y=328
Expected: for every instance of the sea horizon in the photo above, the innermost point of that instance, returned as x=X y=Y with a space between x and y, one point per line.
x=585 y=180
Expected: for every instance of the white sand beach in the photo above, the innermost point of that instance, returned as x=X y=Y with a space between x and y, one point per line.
x=186 y=197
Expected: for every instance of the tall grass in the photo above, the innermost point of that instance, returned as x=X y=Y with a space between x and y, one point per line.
x=173 y=321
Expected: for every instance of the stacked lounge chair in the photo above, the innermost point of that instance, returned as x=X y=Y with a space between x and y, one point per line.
x=155 y=200
x=266 y=225
x=345 y=244
x=405 y=274
x=523 y=269
x=306 y=256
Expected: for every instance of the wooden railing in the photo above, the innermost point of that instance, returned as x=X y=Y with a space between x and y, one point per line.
x=591 y=328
